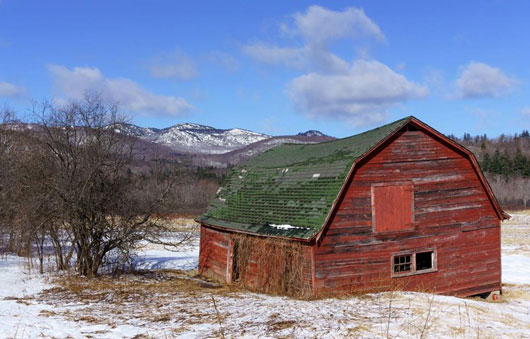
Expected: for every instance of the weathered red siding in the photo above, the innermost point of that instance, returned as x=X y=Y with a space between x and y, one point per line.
x=216 y=260
x=214 y=252
x=258 y=277
x=452 y=214
x=392 y=207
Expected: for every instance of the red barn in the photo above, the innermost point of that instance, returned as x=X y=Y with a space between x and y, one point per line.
x=400 y=206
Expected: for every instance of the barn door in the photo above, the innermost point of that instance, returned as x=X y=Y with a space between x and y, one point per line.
x=392 y=207
x=234 y=274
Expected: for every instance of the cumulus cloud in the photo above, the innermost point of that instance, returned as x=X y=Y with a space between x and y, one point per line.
x=321 y=25
x=361 y=96
x=9 y=90
x=74 y=83
x=479 y=80
x=360 y=92
x=318 y=27
x=176 y=65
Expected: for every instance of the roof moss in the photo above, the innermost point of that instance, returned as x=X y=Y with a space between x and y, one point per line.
x=292 y=184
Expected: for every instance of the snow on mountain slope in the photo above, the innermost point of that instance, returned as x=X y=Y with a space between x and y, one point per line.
x=194 y=138
x=312 y=133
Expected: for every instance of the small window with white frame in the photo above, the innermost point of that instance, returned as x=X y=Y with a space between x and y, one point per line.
x=410 y=263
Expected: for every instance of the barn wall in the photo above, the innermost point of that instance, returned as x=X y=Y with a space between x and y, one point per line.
x=213 y=254
x=267 y=265
x=452 y=214
x=272 y=265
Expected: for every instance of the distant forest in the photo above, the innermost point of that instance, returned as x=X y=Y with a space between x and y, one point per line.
x=506 y=162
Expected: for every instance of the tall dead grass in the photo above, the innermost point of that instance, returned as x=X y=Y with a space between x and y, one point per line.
x=269 y=265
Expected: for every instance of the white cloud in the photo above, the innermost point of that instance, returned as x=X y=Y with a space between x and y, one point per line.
x=360 y=96
x=225 y=60
x=11 y=91
x=317 y=27
x=303 y=58
x=321 y=25
x=176 y=65
x=73 y=84
x=359 y=92
x=525 y=112
x=479 y=80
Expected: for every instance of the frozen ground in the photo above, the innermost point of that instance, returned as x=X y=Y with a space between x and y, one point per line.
x=171 y=304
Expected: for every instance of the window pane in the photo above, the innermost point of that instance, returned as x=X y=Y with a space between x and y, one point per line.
x=402 y=263
x=424 y=261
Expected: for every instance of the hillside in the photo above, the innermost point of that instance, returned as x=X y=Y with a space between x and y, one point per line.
x=194 y=138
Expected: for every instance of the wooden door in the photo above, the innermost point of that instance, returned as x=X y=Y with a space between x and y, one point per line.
x=392 y=207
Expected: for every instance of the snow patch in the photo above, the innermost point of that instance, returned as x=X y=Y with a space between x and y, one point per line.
x=515 y=269
x=287 y=227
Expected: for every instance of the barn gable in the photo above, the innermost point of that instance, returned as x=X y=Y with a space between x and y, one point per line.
x=292 y=190
x=417 y=198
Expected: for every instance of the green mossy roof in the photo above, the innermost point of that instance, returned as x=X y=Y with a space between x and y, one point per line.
x=292 y=184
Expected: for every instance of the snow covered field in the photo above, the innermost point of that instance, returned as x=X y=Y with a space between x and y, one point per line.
x=165 y=303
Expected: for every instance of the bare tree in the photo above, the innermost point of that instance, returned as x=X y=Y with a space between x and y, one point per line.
x=97 y=210
x=522 y=189
x=7 y=156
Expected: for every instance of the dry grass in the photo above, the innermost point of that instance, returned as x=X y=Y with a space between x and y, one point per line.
x=177 y=223
x=523 y=212
x=516 y=234
x=140 y=284
x=174 y=302
x=270 y=265
x=146 y=297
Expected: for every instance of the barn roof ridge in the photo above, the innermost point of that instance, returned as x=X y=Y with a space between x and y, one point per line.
x=294 y=185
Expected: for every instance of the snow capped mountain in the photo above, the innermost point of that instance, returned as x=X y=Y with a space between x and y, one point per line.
x=194 y=138
x=312 y=133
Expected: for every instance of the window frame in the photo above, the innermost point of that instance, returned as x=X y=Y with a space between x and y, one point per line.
x=413 y=270
x=373 y=206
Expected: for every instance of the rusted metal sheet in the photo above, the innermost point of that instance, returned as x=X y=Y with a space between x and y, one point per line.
x=451 y=214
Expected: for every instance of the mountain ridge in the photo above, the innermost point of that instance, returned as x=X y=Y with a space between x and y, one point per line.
x=194 y=138
x=202 y=139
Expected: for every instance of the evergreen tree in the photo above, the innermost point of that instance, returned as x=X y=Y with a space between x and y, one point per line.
x=485 y=164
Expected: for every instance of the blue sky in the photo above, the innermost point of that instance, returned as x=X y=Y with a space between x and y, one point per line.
x=276 y=67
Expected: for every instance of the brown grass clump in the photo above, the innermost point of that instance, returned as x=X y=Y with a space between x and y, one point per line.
x=131 y=286
x=270 y=265
x=145 y=297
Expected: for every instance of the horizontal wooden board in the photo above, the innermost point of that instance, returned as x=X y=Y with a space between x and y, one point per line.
x=452 y=215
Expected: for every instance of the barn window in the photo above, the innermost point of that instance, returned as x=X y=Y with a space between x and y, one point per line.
x=392 y=207
x=424 y=261
x=404 y=264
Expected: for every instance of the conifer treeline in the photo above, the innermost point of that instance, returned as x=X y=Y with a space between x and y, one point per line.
x=506 y=155
x=506 y=164
x=505 y=161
